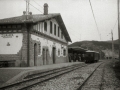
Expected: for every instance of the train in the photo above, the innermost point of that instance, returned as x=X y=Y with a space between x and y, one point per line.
x=82 y=55
x=92 y=56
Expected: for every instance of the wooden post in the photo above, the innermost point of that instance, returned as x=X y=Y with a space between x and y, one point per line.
x=112 y=45
x=119 y=26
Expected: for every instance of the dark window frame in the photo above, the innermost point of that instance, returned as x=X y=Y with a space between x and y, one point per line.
x=58 y=31
x=45 y=26
x=64 y=52
x=51 y=27
x=55 y=29
x=61 y=34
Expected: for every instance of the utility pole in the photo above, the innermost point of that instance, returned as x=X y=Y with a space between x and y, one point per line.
x=27 y=7
x=112 y=45
x=119 y=26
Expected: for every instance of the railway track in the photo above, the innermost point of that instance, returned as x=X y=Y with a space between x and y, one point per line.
x=87 y=79
x=34 y=79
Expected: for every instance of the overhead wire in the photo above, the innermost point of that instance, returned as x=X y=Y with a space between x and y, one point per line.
x=34 y=6
x=115 y=24
x=37 y=4
x=75 y=33
x=47 y=16
x=95 y=19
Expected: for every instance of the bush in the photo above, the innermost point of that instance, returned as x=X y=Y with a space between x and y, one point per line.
x=117 y=65
x=117 y=69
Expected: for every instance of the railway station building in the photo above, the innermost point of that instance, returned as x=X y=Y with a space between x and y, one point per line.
x=33 y=40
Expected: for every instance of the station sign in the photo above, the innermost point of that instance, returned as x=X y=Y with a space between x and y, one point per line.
x=7 y=35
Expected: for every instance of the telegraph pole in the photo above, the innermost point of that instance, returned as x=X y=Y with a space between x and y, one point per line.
x=112 y=45
x=119 y=26
x=27 y=7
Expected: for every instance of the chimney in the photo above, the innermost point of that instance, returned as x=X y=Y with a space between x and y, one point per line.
x=30 y=16
x=45 y=9
x=24 y=15
x=30 y=13
x=24 y=12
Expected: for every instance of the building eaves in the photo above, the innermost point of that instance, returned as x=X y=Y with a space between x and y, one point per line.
x=37 y=18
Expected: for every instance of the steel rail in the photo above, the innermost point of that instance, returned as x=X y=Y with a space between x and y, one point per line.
x=41 y=78
x=80 y=87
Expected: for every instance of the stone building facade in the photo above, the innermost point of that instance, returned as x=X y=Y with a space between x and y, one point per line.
x=33 y=40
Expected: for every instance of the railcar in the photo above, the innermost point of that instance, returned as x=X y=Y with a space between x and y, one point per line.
x=91 y=56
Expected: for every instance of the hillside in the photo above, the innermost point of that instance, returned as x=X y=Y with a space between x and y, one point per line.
x=96 y=44
x=104 y=46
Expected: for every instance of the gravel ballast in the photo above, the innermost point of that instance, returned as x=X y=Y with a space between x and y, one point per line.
x=69 y=81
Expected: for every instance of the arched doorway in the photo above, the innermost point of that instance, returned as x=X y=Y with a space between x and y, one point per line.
x=54 y=55
x=43 y=53
x=35 y=54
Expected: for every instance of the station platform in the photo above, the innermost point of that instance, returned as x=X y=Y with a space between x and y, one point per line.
x=13 y=74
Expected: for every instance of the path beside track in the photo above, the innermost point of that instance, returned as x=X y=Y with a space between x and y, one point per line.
x=103 y=78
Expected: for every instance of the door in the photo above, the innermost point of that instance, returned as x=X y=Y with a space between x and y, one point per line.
x=54 y=54
x=47 y=57
x=43 y=56
x=35 y=54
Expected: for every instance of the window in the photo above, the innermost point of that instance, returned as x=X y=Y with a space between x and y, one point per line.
x=39 y=48
x=50 y=27
x=54 y=29
x=39 y=26
x=9 y=26
x=64 y=52
x=61 y=35
x=18 y=26
x=45 y=26
x=13 y=26
x=36 y=28
x=58 y=32
x=58 y=52
x=4 y=27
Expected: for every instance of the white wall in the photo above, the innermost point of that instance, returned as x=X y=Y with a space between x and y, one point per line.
x=10 y=43
x=40 y=27
x=49 y=43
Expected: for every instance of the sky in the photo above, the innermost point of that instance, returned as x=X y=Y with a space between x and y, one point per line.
x=76 y=14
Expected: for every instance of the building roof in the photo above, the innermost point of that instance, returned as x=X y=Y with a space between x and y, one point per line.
x=36 y=18
x=77 y=48
x=91 y=51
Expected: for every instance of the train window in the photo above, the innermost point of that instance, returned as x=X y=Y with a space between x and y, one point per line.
x=18 y=26
x=91 y=54
x=3 y=26
x=9 y=26
x=13 y=26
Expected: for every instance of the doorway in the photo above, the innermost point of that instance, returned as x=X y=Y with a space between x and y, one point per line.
x=35 y=54
x=54 y=55
x=47 y=57
x=43 y=56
